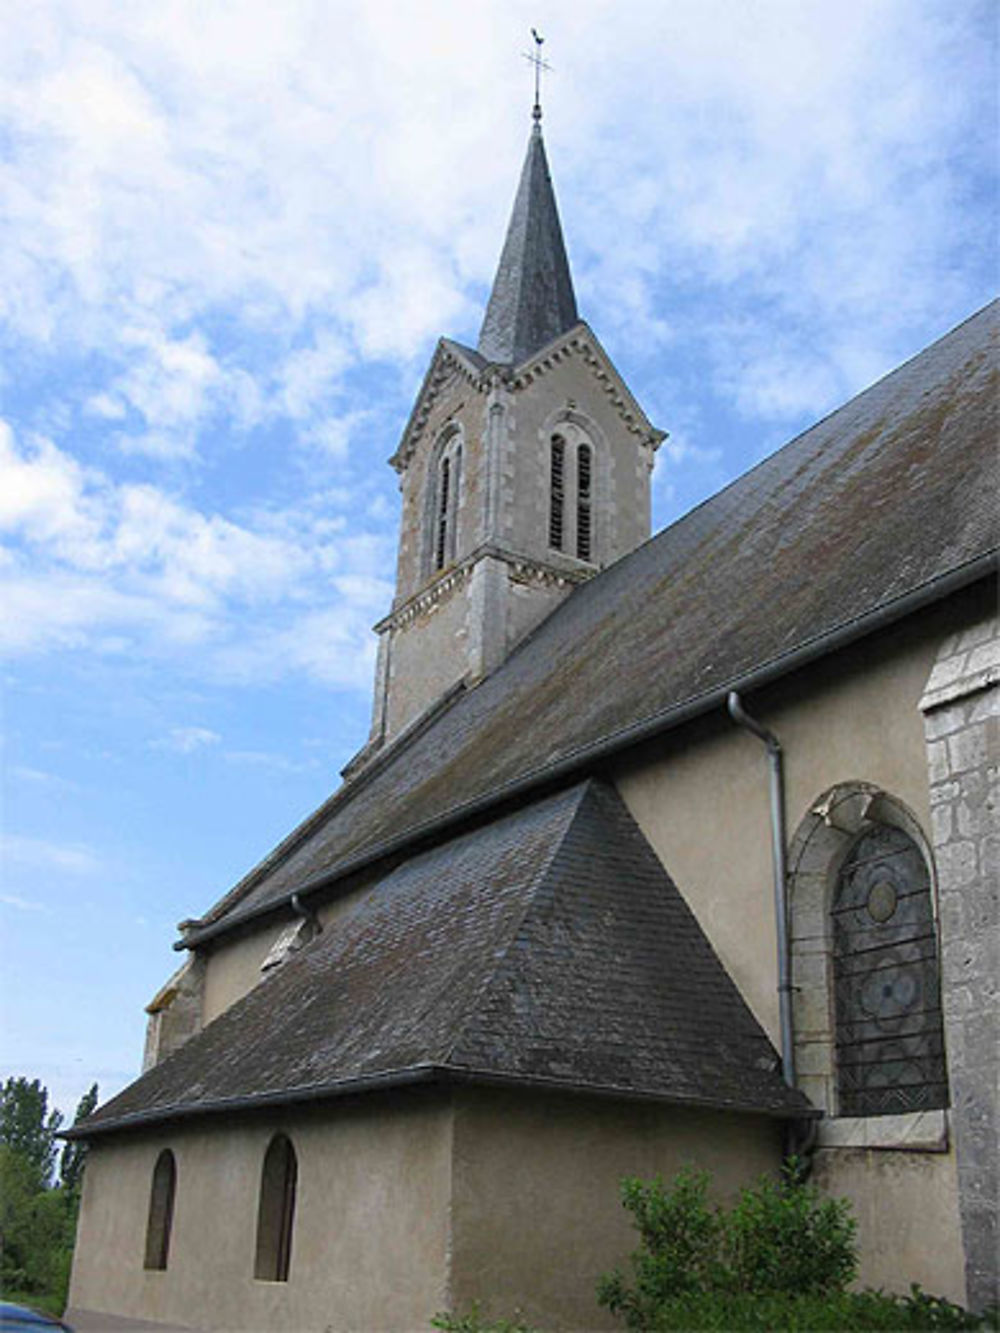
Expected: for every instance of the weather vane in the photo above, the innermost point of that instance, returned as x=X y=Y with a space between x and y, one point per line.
x=535 y=58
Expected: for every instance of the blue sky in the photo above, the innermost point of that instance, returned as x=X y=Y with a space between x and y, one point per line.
x=230 y=235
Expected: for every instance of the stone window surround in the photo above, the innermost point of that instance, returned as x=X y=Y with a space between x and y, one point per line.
x=578 y=428
x=449 y=444
x=818 y=849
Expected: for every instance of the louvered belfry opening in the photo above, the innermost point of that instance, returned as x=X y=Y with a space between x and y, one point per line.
x=557 y=492
x=584 y=472
x=889 y=1039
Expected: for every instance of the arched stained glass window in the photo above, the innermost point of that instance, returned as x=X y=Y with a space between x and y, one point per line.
x=276 y=1211
x=161 y=1211
x=889 y=1039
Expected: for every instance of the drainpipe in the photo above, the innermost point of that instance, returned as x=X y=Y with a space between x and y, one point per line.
x=777 y=783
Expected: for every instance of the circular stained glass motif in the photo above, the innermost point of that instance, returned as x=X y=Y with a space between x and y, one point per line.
x=891 y=991
x=882 y=899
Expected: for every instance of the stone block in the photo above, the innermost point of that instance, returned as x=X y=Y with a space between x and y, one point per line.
x=957 y=863
x=943 y=792
x=984 y=707
x=944 y=721
x=938 y=765
x=966 y=749
x=972 y=637
x=990 y=850
x=812 y=1020
x=985 y=656
x=946 y=672
x=941 y=824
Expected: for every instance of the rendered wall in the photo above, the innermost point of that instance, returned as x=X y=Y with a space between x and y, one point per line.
x=536 y=1210
x=370 y=1239
x=702 y=800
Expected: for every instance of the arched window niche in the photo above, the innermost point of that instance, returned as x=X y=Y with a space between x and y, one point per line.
x=276 y=1211
x=444 y=494
x=159 y=1222
x=866 y=1007
x=574 y=483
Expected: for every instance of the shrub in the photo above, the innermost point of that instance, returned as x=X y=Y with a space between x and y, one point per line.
x=778 y=1261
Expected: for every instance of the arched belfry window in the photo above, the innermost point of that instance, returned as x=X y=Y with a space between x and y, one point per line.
x=161 y=1211
x=572 y=468
x=557 y=491
x=584 y=486
x=276 y=1211
x=889 y=1039
x=445 y=494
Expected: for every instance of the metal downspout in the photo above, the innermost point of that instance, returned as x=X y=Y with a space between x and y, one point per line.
x=777 y=783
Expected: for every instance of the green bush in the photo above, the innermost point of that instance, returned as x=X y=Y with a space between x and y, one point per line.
x=781 y=1235
x=778 y=1261
x=788 y=1312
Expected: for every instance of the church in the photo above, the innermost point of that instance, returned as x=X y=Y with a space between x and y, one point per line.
x=661 y=850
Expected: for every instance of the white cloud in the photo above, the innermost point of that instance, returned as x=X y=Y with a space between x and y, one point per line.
x=91 y=562
x=39 y=855
x=22 y=904
x=186 y=740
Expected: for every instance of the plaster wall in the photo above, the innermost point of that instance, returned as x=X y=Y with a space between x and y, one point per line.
x=536 y=1177
x=905 y=1204
x=233 y=966
x=701 y=796
x=702 y=800
x=369 y=1246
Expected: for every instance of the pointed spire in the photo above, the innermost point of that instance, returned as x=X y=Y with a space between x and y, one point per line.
x=532 y=300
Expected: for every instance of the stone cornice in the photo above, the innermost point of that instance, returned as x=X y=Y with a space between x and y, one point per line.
x=523 y=569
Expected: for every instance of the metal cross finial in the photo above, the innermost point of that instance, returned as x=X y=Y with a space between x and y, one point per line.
x=535 y=58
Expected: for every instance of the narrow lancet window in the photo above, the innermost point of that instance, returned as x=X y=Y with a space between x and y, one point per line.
x=161 y=1211
x=276 y=1211
x=441 y=537
x=584 y=472
x=557 y=492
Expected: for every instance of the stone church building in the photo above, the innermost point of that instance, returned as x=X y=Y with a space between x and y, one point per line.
x=661 y=850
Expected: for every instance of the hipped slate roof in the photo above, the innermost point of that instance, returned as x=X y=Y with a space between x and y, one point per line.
x=876 y=504
x=549 y=948
x=532 y=300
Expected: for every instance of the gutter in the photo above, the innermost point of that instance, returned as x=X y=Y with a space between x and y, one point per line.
x=440 y=1075
x=848 y=632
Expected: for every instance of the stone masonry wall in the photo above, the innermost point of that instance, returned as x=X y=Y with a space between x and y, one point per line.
x=961 y=709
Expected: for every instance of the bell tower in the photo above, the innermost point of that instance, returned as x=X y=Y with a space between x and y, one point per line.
x=524 y=469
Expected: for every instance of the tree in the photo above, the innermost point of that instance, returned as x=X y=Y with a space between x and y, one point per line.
x=28 y=1127
x=75 y=1152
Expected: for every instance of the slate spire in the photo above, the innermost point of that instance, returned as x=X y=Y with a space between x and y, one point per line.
x=532 y=300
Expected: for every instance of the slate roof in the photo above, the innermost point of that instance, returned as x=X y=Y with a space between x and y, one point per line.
x=884 y=501
x=549 y=948
x=532 y=300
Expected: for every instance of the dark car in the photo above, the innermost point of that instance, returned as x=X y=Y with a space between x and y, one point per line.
x=19 y=1318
